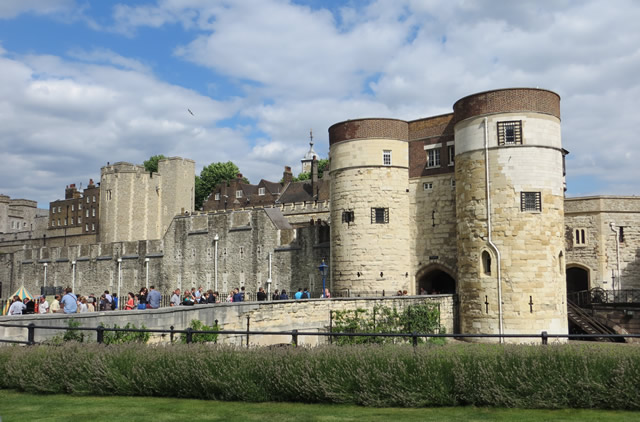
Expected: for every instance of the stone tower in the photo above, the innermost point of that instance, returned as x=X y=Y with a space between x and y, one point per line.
x=511 y=242
x=137 y=205
x=307 y=160
x=369 y=205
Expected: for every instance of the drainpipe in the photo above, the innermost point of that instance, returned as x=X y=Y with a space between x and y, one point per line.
x=489 y=241
x=269 y=279
x=216 y=238
x=613 y=229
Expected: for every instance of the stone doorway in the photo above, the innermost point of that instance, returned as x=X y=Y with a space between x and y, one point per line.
x=437 y=281
x=577 y=279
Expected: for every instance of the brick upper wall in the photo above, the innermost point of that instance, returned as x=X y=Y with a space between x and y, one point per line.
x=431 y=126
x=369 y=128
x=507 y=101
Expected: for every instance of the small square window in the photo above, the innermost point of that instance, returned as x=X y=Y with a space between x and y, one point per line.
x=530 y=201
x=238 y=194
x=217 y=196
x=79 y=206
x=453 y=183
x=53 y=210
x=427 y=185
x=348 y=216
x=73 y=207
x=386 y=157
x=379 y=215
x=261 y=191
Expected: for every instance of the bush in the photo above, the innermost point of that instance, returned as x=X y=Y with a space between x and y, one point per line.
x=554 y=376
x=119 y=337
x=198 y=325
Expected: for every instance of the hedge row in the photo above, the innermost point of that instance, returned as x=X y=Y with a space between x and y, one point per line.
x=554 y=376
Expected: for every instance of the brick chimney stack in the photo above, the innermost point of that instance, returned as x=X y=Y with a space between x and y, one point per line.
x=287 y=175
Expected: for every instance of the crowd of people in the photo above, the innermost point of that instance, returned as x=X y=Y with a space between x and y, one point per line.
x=69 y=303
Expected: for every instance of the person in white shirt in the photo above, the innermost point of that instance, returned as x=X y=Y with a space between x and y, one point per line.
x=43 y=305
x=17 y=306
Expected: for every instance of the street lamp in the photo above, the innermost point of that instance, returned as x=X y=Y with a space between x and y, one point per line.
x=323 y=270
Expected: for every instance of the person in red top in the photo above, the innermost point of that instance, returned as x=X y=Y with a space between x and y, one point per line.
x=130 y=302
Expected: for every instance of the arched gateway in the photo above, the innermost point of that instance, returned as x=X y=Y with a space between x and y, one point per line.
x=436 y=279
x=577 y=279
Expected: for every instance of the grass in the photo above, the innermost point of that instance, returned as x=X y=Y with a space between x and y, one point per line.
x=15 y=406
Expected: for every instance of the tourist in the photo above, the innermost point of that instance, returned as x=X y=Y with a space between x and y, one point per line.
x=399 y=293
x=237 y=296
x=82 y=305
x=188 y=299
x=230 y=296
x=131 y=302
x=43 y=305
x=261 y=294
x=91 y=303
x=326 y=294
x=283 y=295
x=306 y=294
x=69 y=302
x=154 y=297
x=55 y=304
x=111 y=305
x=105 y=304
x=276 y=295
x=298 y=294
x=405 y=293
x=30 y=306
x=423 y=291
x=211 y=297
x=142 y=298
x=175 y=298
x=17 y=306
x=198 y=295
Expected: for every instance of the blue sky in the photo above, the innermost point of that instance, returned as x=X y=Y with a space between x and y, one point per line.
x=87 y=82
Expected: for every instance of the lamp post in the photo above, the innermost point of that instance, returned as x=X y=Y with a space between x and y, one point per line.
x=269 y=280
x=73 y=275
x=119 y=281
x=216 y=238
x=323 y=270
x=146 y=264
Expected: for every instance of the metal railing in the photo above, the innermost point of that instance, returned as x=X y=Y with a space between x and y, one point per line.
x=598 y=296
x=295 y=334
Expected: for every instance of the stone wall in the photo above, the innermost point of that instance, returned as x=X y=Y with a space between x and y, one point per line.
x=599 y=254
x=303 y=315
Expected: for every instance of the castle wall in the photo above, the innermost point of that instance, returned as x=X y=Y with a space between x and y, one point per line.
x=531 y=242
x=598 y=253
x=433 y=218
x=370 y=253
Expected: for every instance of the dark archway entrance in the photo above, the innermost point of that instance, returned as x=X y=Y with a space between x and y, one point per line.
x=577 y=280
x=437 y=282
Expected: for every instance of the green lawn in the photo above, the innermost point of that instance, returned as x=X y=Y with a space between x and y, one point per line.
x=16 y=406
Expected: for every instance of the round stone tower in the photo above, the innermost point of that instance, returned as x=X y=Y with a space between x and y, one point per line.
x=509 y=208
x=369 y=205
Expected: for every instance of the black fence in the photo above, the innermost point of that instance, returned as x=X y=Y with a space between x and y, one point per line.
x=295 y=334
x=598 y=296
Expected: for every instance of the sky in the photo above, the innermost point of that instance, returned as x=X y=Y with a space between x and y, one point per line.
x=83 y=83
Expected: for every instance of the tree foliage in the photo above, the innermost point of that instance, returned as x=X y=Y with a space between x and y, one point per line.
x=323 y=165
x=151 y=165
x=210 y=176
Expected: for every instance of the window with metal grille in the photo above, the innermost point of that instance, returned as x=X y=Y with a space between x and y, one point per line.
x=379 y=215
x=530 y=201
x=433 y=158
x=386 y=157
x=510 y=133
x=348 y=216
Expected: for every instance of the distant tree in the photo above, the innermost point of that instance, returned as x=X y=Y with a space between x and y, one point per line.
x=322 y=166
x=210 y=176
x=151 y=165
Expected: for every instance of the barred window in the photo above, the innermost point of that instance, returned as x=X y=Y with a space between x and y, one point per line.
x=348 y=216
x=379 y=215
x=510 y=133
x=530 y=201
x=579 y=238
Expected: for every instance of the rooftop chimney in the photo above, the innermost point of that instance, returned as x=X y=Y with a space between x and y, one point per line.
x=287 y=176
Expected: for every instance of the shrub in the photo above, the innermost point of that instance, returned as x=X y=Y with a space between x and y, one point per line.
x=554 y=376
x=119 y=337
x=198 y=325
